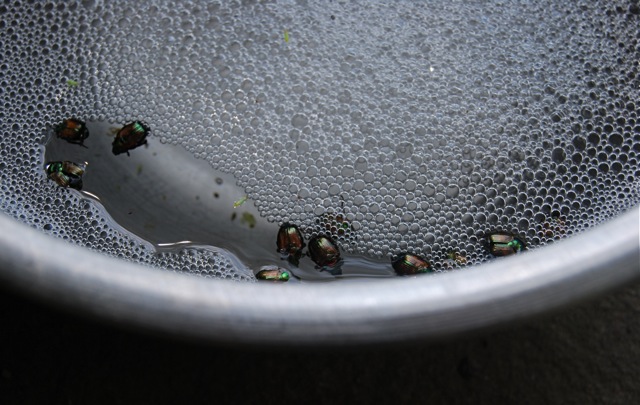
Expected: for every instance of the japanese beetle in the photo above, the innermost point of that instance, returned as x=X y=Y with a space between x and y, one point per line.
x=323 y=251
x=72 y=130
x=406 y=264
x=273 y=273
x=290 y=242
x=505 y=244
x=66 y=173
x=130 y=137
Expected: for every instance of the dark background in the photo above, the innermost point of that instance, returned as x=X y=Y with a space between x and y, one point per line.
x=584 y=355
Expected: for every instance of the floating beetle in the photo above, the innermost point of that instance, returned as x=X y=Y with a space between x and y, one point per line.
x=323 y=251
x=335 y=224
x=130 y=137
x=290 y=242
x=273 y=273
x=555 y=228
x=456 y=257
x=406 y=264
x=505 y=244
x=66 y=173
x=72 y=130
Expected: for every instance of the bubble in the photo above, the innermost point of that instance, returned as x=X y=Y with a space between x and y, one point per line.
x=452 y=191
x=558 y=155
x=299 y=121
x=421 y=152
x=361 y=164
x=404 y=150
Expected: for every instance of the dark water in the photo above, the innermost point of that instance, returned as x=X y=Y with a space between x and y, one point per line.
x=165 y=196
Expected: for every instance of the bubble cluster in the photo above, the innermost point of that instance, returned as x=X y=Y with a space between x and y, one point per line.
x=202 y=261
x=420 y=129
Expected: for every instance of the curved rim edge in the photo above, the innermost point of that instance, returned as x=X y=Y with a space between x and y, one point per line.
x=423 y=307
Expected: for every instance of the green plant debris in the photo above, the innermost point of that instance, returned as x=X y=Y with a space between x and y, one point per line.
x=286 y=36
x=138 y=169
x=240 y=201
x=248 y=219
x=72 y=83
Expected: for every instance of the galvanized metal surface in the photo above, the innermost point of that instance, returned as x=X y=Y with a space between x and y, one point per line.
x=427 y=307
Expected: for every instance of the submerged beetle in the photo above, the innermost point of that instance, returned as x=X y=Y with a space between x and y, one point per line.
x=290 y=242
x=323 y=251
x=66 y=173
x=273 y=273
x=554 y=227
x=72 y=130
x=505 y=244
x=130 y=137
x=456 y=257
x=406 y=264
x=335 y=224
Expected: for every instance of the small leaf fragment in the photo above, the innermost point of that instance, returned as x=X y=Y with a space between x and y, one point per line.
x=240 y=201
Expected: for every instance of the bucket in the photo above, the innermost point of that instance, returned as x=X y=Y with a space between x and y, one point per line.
x=152 y=154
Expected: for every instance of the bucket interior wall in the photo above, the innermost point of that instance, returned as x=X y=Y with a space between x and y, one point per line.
x=391 y=128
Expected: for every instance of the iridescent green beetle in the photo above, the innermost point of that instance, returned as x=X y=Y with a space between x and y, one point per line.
x=290 y=242
x=505 y=244
x=65 y=173
x=273 y=273
x=406 y=264
x=72 y=130
x=324 y=251
x=130 y=137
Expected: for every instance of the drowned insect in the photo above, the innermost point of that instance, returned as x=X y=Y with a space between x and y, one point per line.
x=456 y=257
x=554 y=227
x=72 y=130
x=65 y=173
x=290 y=243
x=336 y=224
x=406 y=264
x=505 y=244
x=273 y=273
x=130 y=137
x=323 y=251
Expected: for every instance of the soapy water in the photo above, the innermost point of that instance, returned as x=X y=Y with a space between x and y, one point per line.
x=422 y=126
x=169 y=200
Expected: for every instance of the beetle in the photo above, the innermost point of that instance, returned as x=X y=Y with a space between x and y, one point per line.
x=407 y=264
x=130 y=137
x=72 y=130
x=505 y=244
x=290 y=243
x=290 y=240
x=65 y=173
x=324 y=251
x=456 y=257
x=273 y=273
